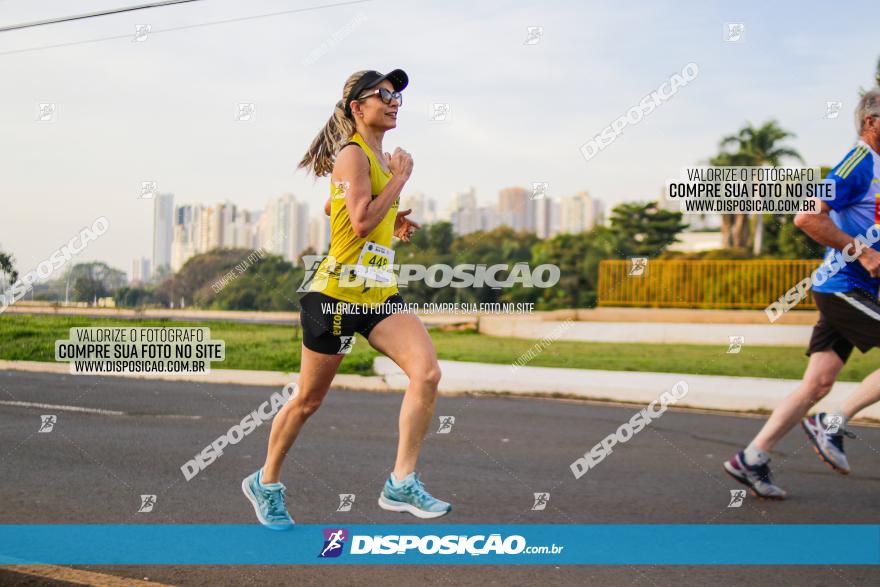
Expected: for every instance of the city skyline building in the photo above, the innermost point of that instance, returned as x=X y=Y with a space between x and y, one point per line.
x=163 y=218
x=284 y=226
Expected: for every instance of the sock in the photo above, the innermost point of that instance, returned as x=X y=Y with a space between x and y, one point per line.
x=276 y=485
x=755 y=456
x=395 y=482
x=842 y=419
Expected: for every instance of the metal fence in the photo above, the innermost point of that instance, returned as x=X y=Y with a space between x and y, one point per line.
x=701 y=284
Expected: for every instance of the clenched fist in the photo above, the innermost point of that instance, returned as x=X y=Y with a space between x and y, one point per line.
x=400 y=163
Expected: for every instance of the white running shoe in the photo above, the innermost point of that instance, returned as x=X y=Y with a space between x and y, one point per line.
x=757 y=478
x=827 y=441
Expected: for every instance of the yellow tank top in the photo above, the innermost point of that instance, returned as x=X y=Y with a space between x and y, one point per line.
x=358 y=269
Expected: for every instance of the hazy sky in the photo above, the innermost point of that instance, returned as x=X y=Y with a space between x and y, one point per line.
x=163 y=109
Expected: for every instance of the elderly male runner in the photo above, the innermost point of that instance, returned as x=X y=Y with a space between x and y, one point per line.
x=849 y=314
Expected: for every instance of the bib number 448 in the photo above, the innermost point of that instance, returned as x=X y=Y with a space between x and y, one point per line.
x=375 y=263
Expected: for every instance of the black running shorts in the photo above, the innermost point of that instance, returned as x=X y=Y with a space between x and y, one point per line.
x=846 y=320
x=329 y=325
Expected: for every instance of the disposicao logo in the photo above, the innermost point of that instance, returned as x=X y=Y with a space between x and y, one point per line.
x=334 y=540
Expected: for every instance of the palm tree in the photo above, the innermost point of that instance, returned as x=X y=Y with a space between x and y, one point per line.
x=759 y=147
x=734 y=227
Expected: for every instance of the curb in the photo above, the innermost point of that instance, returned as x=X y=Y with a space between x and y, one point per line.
x=708 y=392
x=227 y=376
x=705 y=392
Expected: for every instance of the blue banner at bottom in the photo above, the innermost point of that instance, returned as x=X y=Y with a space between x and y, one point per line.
x=643 y=544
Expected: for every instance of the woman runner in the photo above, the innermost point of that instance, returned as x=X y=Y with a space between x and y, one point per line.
x=365 y=187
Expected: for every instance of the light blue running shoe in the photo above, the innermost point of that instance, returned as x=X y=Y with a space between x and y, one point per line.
x=411 y=496
x=268 y=502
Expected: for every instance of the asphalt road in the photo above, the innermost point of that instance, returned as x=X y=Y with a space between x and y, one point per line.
x=93 y=467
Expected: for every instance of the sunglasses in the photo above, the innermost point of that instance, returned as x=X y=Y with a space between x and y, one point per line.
x=385 y=95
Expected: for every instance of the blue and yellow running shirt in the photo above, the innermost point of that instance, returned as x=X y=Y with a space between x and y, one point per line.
x=357 y=269
x=854 y=209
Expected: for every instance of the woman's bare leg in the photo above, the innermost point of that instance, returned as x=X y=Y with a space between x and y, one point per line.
x=403 y=338
x=316 y=373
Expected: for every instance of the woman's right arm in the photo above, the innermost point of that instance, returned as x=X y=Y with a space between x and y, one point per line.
x=353 y=166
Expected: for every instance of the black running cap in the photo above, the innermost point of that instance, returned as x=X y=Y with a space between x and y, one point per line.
x=397 y=77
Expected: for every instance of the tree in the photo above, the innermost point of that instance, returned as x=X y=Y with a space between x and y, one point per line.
x=760 y=147
x=644 y=229
x=578 y=257
x=196 y=272
x=501 y=246
x=428 y=246
x=269 y=285
x=6 y=266
x=133 y=297
x=734 y=227
x=94 y=280
x=786 y=241
x=87 y=288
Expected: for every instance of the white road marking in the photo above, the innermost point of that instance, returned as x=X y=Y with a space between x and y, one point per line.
x=62 y=408
x=99 y=411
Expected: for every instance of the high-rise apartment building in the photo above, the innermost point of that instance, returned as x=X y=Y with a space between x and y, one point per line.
x=163 y=227
x=579 y=213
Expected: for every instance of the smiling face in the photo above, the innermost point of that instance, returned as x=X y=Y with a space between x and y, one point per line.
x=373 y=112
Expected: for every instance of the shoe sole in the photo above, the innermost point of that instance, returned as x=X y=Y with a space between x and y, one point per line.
x=816 y=450
x=751 y=488
x=247 y=493
x=405 y=507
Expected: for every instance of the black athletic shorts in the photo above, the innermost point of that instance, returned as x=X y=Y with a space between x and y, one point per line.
x=846 y=320
x=332 y=332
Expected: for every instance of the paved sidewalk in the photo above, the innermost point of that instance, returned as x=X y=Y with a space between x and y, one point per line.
x=704 y=391
x=538 y=327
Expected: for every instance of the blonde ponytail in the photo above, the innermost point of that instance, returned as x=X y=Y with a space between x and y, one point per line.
x=321 y=155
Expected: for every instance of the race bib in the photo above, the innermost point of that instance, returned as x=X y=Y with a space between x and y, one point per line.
x=376 y=263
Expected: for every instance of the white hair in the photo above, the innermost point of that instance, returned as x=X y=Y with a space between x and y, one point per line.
x=869 y=105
